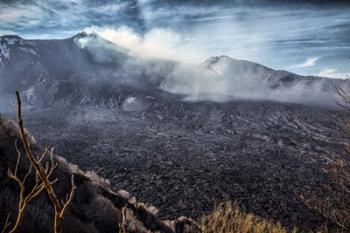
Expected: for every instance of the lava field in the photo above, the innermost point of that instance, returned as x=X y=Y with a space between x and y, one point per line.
x=185 y=157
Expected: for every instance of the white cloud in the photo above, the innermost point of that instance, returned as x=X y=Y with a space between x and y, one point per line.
x=50 y=16
x=333 y=73
x=309 y=62
x=23 y=15
x=156 y=43
x=111 y=7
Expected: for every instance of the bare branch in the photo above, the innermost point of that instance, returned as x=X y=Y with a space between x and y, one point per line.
x=38 y=167
x=7 y=223
x=18 y=158
x=24 y=199
x=53 y=182
x=43 y=155
x=51 y=170
x=35 y=192
x=43 y=174
x=70 y=199
x=28 y=174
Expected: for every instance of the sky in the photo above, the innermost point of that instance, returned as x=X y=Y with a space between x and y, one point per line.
x=309 y=37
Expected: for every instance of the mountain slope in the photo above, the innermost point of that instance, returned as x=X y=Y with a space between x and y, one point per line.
x=87 y=69
x=96 y=208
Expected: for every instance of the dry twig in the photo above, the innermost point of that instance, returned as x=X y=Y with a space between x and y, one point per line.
x=24 y=197
x=44 y=172
x=7 y=223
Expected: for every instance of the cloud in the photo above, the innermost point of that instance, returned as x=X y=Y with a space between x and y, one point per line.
x=157 y=43
x=309 y=62
x=37 y=17
x=333 y=73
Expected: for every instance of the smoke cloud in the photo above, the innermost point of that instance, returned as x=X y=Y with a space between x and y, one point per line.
x=156 y=43
x=217 y=79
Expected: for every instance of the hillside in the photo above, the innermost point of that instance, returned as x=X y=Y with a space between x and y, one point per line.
x=179 y=136
x=96 y=207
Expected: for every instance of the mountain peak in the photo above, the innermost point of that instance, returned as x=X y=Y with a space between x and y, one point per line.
x=224 y=62
x=214 y=60
x=84 y=34
x=11 y=37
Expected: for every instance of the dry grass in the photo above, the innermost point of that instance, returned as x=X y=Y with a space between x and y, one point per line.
x=228 y=218
x=332 y=201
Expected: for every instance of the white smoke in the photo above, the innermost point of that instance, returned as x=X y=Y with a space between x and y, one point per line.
x=228 y=79
x=156 y=43
x=333 y=73
x=217 y=79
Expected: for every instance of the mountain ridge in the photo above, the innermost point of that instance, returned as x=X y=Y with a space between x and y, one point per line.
x=33 y=66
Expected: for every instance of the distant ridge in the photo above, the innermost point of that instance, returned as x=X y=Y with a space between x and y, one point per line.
x=81 y=61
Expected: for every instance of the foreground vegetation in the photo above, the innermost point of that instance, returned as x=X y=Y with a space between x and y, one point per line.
x=227 y=217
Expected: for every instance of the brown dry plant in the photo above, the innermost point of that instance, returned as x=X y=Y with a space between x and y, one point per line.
x=43 y=181
x=228 y=218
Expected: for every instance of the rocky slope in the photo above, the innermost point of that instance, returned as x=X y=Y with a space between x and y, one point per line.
x=184 y=157
x=95 y=208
